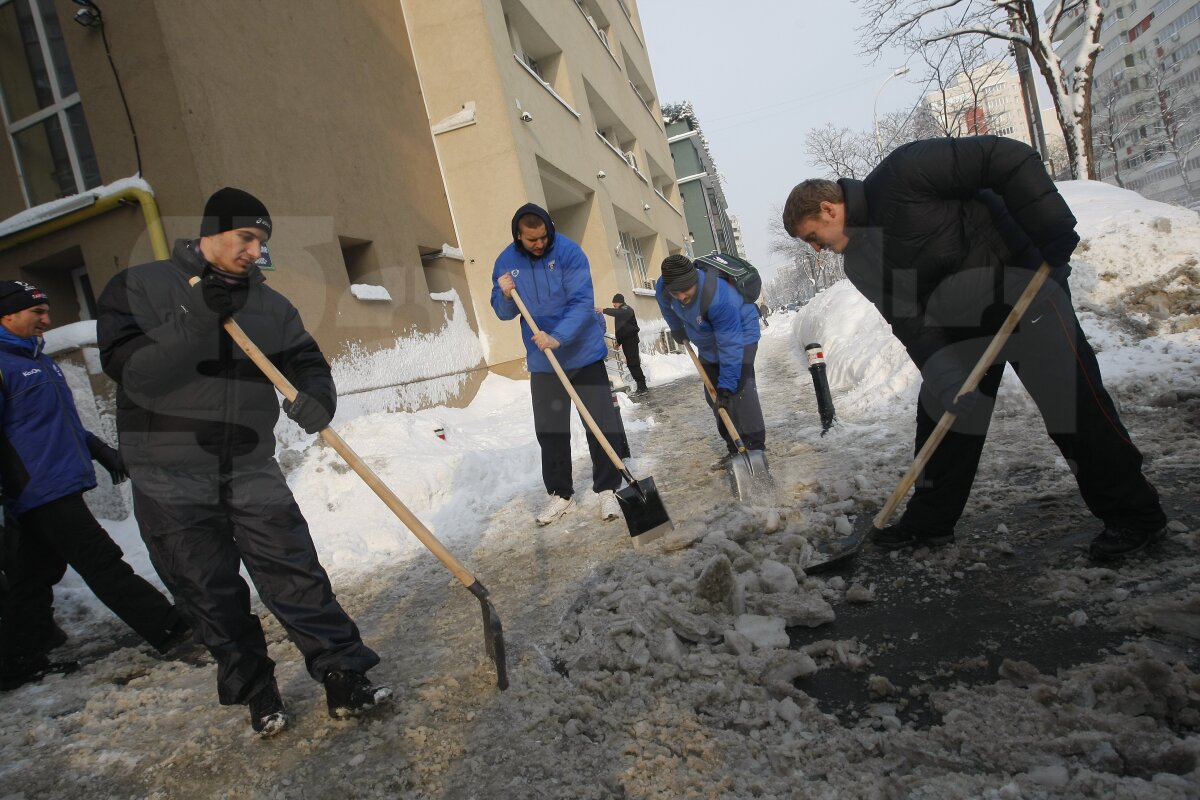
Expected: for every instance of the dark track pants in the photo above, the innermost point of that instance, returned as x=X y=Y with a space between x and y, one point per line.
x=746 y=412
x=60 y=533
x=1057 y=366
x=200 y=529
x=633 y=360
x=552 y=423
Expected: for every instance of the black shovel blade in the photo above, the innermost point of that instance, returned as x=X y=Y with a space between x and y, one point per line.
x=644 y=512
x=493 y=634
x=841 y=554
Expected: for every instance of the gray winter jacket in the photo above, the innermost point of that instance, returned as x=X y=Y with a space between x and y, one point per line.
x=188 y=398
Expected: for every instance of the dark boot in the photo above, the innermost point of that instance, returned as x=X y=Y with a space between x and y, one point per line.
x=1115 y=543
x=350 y=693
x=267 y=715
x=17 y=671
x=895 y=537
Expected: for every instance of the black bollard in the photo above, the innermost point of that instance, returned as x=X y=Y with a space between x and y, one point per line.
x=621 y=445
x=816 y=368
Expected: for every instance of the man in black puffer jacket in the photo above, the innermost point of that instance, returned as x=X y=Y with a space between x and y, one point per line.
x=196 y=423
x=941 y=238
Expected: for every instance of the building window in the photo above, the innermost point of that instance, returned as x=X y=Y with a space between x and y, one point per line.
x=42 y=113
x=632 y=249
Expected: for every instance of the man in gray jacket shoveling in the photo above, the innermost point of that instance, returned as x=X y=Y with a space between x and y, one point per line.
x=196 y=423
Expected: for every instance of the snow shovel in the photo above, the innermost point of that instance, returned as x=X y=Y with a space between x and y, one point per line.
x=644 y=512
x=747 y=464
x=493 y=631
x=850 y=546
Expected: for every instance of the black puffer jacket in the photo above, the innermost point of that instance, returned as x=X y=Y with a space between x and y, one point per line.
x=934 y=224
x=188 y=398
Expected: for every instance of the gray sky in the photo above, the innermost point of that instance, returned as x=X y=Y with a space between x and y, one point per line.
x=760 y=74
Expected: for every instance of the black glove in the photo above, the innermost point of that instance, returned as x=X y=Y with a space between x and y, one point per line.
x=1058 y=252
x=725 y=399
x=307 y=412
x=215 y=295
x=678 y=335
x=108 y=458
x=945 y=376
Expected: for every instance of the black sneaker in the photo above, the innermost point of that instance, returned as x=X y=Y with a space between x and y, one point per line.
x=267 y=715
x=1114 y=543
x=350 y=693
x=641 y=389
x=895 y=537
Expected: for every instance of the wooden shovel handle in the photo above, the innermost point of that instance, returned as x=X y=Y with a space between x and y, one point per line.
x=712 y=392
x=344 y=450
x=972 y=381
x=562 y=376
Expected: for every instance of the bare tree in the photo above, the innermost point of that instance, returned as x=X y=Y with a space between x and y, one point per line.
x=918 y=24
x=1172 y=105
x=959 y=71
x=841 y=152
x=1112 y=127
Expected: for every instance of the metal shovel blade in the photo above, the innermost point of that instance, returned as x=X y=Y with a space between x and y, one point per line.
x=493 y=634
x=644 y=512
x=840 y=554
x=742 y=475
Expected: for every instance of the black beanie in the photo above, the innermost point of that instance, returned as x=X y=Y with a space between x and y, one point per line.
x=229 y=209
x=678 y=273
x=619 y=298
x=17 y=296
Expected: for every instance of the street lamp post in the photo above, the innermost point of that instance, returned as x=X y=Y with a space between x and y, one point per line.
x=897 y=72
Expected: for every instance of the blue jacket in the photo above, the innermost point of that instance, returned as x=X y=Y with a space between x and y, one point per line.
x=730 y=327
x=44 y=451
x=557 y=290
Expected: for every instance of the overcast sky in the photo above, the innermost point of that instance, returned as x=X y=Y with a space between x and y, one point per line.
x=760 y=74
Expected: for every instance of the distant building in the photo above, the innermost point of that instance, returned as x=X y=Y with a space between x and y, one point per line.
x=1145 y=95
x=738 y=243
x=986 y=100
x=704 y=206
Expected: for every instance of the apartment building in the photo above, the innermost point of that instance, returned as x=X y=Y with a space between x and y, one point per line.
x=391 y=142
x=552 y=102
x=263 y=96
x=709 y=226
x=1146 y=96
x=986 y=99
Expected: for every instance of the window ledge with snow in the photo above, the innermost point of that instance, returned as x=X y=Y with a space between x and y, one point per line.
x=365 y=291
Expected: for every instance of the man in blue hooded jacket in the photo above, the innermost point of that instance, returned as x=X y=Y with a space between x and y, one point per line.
x=726 y=335
x=46 y=466
x=552 y=275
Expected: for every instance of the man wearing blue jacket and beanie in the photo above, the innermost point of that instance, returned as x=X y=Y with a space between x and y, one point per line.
x=46 y=466
x=726 y=335
x=553 y=277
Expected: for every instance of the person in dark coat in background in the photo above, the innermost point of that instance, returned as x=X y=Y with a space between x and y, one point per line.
x=45 y=467
x=941 y=238
x=726 y=335
x=552 y=275
x=196 y=422
x=626 y=332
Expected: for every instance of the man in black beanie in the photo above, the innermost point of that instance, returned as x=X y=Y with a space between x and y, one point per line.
x=45 y=467
x=625 y=329
x=196 y=421
x=724 y=327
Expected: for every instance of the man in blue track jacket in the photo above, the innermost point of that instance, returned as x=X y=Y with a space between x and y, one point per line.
x=552 y=275
x=46 y=466
x=726 y=335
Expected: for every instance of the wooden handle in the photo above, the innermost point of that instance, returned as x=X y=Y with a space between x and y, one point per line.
x=972 y=381
x=344 y=450
x=562 y=376
x=712 y=392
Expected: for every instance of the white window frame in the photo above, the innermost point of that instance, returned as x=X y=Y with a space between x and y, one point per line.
x=58 y=108
x=631 y=248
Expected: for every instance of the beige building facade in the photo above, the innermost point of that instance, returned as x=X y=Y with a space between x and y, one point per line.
x=391 y=142
x=314 y=107
x=551 y=102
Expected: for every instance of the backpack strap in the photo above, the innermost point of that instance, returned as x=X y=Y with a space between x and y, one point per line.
x=709 y=290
